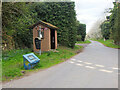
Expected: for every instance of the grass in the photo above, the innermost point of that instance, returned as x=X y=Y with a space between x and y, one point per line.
x=0 y=71
x=12 y=61
x=108 y=43
x=83 y=42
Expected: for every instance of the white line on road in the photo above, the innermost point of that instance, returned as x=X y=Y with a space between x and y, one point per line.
x=71 y=62
x=103 y=70
x=115 y=68
x=73 y=59
x=87 y=63
x=99 y=65
x=90 y=67
x=79 y=64
x=79 y=61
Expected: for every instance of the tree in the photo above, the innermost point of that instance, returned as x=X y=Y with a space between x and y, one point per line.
x=82 y=31
x=105 y=29
x=114 y=22
x=62 y=15
x=18 y=16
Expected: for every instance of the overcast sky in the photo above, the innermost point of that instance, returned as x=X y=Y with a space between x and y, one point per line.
x=89 y=11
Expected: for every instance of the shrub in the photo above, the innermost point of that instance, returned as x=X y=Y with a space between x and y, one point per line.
x=79 y=37
x=17 y=17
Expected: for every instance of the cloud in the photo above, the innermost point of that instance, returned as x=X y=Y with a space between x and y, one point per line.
x=89 y=11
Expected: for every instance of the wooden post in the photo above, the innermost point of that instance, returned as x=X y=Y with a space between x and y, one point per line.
x=40 y=39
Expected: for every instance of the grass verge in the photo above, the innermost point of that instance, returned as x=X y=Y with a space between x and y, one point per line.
x=83 y=42
x=12 y=61
x=108 y=43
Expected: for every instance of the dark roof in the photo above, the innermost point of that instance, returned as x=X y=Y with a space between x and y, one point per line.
x=44 y=24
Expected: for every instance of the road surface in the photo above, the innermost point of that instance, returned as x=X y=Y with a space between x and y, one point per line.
x=95 y=67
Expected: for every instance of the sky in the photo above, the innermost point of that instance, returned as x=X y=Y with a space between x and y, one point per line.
x=89 y=11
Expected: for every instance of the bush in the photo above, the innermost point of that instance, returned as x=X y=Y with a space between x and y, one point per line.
x=82 y=31
x=79 y=37
x=17 y=17
x=115 y=24
x=105 y=29
x=62 y=15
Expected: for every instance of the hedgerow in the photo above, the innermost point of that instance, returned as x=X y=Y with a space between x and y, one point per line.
x=18 y=16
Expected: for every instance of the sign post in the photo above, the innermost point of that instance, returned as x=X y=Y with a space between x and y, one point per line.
x=40 y=36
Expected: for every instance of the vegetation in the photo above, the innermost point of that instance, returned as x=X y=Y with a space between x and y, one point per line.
x=109 y=43
x=17 y=17
x=12 y=63
x=81 y=32
x=79 y=38
x=111 y=29
x=114 y=24
x=61 y=14
x=83 y=42
x=105 y=29
x=95 y=31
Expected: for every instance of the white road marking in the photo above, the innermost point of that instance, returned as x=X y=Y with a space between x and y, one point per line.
x=99 y=65
x=103 y=70
x=71 y=62
x=90 y=67
x=115 y=68
x=73 y=59
x=79 y=61
x=87 y=63
x=79 y=64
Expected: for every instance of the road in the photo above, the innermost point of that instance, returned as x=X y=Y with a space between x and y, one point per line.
x=95 y=67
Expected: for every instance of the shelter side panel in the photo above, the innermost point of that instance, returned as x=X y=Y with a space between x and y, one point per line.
x=45 y=43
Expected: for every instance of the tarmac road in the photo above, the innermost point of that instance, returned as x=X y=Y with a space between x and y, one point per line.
x=95 y=67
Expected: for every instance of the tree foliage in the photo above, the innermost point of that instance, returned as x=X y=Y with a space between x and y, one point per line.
x=82 y=31
x=105 y=29
x=61 y=14
x=115 y=22
x=111 y=28
x=18 y=16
